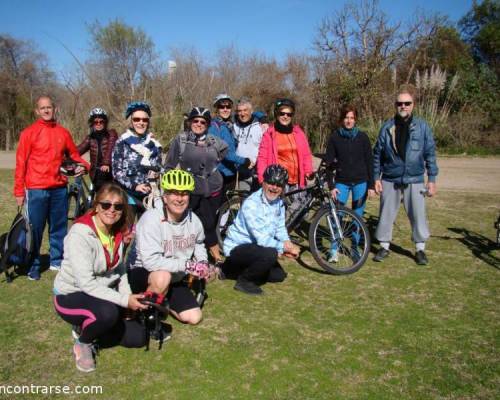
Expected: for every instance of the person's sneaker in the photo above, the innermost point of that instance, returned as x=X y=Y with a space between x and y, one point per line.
x=247 y=287
x=355 y=255
x=166 y=332
x=84 y=357
x=76 y=331
x=34 y=275
x=381 y=254
x=56 y=268
x=421 y=258
x=334 y=256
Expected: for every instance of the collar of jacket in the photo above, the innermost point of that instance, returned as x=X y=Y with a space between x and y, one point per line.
x=86 y=219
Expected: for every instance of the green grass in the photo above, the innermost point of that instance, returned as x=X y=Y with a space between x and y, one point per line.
x=391 y=331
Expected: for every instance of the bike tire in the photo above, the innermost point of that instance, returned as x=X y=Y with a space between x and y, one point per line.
x=352 y=251
x=225 y=217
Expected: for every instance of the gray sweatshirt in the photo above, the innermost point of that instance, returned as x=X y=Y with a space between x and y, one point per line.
x=83 y=268
x=166 y=245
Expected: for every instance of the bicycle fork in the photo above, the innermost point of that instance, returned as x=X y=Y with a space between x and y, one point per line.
x=336 y=222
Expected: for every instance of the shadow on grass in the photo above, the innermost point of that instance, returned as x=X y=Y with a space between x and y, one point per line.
x=478 y=244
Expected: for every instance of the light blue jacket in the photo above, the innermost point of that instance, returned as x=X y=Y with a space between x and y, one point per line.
x=420 y=154
x=260 y=222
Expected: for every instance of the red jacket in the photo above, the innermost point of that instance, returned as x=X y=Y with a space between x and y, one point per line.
x=41 y=150
x=268 y=153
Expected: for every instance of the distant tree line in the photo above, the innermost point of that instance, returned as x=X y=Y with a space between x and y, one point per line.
x=361 y=57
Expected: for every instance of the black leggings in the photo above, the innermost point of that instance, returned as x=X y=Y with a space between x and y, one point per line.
x=254 y=263
x=99 y=319
x=206 y=210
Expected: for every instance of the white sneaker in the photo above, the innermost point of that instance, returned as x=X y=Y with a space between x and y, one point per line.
x=334 y=256
x=55 y=268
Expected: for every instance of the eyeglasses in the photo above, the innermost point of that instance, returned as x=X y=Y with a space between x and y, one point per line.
x=199 y=121
x=404 y=103
x=136 y=119
x=116 y=206
x=99 y=122
x=224 y=107
x=282 y=114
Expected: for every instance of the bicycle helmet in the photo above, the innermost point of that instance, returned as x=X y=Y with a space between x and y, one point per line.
x=136 y=106
x=222 y=96
x=68 y=167
x=177 y=179
x=276 y=175
x=279 y=103
x=200 y=112
x=97 y=112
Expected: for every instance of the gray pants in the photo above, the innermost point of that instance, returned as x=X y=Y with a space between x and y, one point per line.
x=414 y=203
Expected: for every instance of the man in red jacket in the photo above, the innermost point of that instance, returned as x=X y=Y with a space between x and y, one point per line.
x=42 y=148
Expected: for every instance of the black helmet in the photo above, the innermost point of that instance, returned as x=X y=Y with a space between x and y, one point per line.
x=283 y=103
x=276 y=175
x=137 y=106
x=97 y=112
x=200 y=112
x=68 y=167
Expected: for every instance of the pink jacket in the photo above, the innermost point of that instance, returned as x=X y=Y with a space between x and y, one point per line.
x=268 y=153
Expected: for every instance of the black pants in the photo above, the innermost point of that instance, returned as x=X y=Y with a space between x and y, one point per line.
x=99 y=320
x=100 y=178
x=206 y=210
x=254 y=263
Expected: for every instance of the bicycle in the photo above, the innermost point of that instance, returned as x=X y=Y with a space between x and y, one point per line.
x=80 y=197
x=338 y=238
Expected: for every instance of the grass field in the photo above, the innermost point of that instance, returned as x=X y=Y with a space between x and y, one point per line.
x=391 y=331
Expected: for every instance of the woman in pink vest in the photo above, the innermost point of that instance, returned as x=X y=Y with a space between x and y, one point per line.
x=286 y=144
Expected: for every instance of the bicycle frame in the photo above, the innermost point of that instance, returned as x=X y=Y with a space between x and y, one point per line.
x=317 y=192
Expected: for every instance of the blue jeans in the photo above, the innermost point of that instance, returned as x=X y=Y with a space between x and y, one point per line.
x=359 y=193
x=48 y=205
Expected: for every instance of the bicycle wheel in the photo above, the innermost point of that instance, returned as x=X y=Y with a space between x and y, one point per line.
x=227 y=213
x=335 y=255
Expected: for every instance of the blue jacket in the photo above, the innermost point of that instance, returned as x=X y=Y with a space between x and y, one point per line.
x=420 y=154
x=260 y=222
x=231 y=161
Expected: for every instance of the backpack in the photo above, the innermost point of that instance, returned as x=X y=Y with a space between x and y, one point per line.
x=16 y=246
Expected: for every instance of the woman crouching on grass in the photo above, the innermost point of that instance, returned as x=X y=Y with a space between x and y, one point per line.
x=91 y=290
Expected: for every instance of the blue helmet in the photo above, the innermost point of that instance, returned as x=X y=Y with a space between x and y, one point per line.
x=136 y=106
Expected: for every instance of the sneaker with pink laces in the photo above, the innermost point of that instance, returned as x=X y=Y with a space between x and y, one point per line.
x=84 y=356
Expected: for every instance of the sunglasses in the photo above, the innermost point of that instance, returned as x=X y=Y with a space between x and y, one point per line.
x=116 y=206
x=224 y=107
x=199 y=121
x=404 y=103
x=99 y=122
x=282 y=114
x=136 y=119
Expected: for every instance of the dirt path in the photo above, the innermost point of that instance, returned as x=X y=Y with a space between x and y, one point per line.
x=455 y=173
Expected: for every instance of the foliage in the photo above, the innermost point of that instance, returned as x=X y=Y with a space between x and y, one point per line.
x=481 y=28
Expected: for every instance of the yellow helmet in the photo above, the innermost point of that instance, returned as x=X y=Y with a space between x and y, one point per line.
x=177 y=179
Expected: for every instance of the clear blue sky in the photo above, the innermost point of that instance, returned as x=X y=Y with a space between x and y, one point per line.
x=270 y=27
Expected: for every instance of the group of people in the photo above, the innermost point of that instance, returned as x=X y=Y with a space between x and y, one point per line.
x=95 y=291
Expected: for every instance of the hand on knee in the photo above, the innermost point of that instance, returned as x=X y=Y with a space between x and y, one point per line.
x=191 y=317
x=159 y=281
